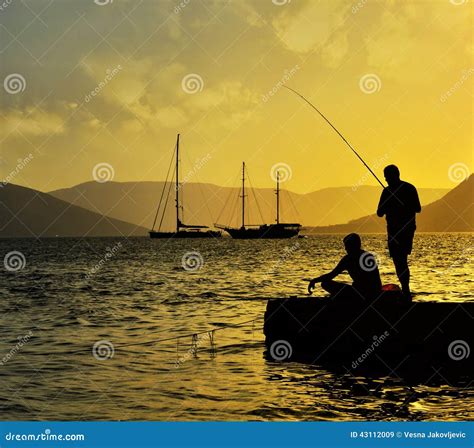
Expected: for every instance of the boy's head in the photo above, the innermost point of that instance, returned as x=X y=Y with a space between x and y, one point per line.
x=392 y=174
x=352 y=243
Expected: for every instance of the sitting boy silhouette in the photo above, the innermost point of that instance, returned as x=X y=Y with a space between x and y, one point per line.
x=361 y=266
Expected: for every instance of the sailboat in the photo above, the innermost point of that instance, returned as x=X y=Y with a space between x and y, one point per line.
x=182 y=230
x=270 y=231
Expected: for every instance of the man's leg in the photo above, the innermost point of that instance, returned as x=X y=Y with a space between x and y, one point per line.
x=403 y=272
x=400 y=245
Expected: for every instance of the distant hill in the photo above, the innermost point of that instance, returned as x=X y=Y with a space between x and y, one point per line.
x=454 y=212
x=29 y=213
x=207 y=203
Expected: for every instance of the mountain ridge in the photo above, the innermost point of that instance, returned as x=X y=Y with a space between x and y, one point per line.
x=25 y=212
x=206 y=203
x=454 y=212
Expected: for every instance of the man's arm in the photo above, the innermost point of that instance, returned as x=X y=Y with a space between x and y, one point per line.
x=416 y=201
x=382 y=204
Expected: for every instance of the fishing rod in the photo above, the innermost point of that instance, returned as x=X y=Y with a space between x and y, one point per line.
x=340 y=135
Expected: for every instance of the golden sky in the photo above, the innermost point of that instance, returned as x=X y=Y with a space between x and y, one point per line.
x=396 y=77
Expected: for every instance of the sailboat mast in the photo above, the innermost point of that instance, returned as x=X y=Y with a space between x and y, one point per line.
x=243 y=194
x=278 y=198
x=177 y=184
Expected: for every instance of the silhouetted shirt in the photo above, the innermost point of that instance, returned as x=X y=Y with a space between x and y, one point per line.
x=399 y=204
x=364 y=271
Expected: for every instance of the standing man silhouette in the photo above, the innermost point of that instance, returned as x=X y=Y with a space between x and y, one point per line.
x=399 y=203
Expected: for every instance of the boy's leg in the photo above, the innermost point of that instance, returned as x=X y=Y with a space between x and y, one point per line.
x=336 y=288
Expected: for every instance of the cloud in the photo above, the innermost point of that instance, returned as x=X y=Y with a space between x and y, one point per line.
x=31 y=122
x=155 y=96
x=126 y=85
x=247 y=11
x=390 y=49
x=231 y=102
x=311 y=27
x=407 y=51
x=170 y=117
x=335 y=51
x=228 y=95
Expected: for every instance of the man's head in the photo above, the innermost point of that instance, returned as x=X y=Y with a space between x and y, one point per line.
x=352 y=243
x=392 y=174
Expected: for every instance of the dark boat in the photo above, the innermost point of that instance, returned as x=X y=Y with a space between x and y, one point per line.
x=182 y=230
x=420 y=339
x=265 y=231
x=187 y=232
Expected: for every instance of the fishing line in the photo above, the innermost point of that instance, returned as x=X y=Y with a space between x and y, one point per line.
x=340 y=135
x=193 y=337
x=189 y=335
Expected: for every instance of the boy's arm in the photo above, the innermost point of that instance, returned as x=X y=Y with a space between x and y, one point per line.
x=341 y=266
x=339 y=269
x=334 y=273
